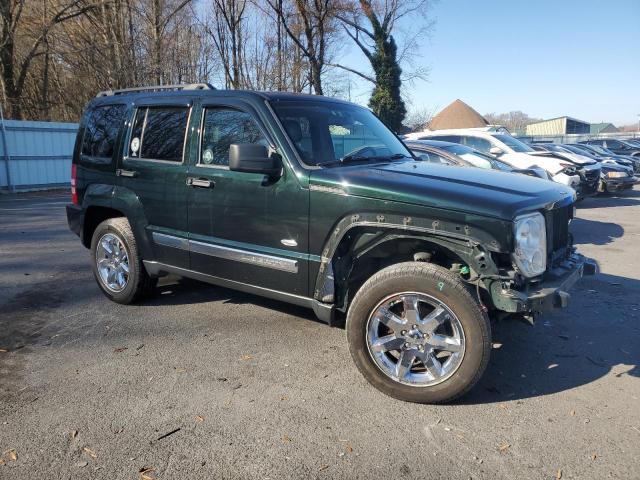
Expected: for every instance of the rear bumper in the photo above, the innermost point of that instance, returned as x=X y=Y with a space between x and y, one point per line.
x=553 y=291
x=75 y=219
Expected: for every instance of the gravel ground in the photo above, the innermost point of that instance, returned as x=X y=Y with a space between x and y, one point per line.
x=203 y=382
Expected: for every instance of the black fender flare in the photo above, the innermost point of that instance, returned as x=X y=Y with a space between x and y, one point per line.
x=469 y=242
x=123 y=200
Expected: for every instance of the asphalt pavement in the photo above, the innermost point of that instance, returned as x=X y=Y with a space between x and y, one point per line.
x=204 y=382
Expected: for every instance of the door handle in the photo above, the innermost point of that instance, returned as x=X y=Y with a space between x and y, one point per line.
x=126 y=173
x=200 y=182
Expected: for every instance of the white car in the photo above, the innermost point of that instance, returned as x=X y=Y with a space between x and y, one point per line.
x=507 y=149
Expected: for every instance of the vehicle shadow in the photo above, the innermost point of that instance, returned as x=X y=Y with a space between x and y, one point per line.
x=594 y=232
x=174 y=290
x=595 y=337
x=626 y=198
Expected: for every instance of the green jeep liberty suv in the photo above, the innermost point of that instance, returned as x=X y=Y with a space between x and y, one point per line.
x=313 y=201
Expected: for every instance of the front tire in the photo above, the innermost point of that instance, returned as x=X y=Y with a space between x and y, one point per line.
x=417 y=334
x=116 y=262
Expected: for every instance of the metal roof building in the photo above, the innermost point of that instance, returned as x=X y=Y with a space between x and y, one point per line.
x=559 y=126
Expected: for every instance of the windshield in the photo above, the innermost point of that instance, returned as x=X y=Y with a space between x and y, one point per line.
x=579 y=151
x=514 y=144
x=325 y=132
x=472 y=156
x=601 y=149
x=498 y=165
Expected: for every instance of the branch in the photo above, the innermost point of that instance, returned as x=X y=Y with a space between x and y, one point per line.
x=362 y=46
x=174 y=13
x=356 y=72
x=356 y=26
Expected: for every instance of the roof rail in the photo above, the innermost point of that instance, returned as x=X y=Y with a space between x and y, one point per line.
x=157 y=88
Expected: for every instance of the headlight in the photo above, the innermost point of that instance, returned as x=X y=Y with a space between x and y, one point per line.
x=616 y=174
x=530 y=234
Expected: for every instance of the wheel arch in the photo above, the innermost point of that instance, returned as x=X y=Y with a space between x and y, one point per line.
x=363 y=248
x=102 y=202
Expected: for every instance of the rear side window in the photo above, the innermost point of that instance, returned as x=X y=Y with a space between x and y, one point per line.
x=101 y=131
x=158 y=133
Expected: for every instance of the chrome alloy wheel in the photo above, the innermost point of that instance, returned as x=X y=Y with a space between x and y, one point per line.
x=415 y=339
x=112 y=261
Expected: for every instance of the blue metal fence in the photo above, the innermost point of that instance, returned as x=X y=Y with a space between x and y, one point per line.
x=35 y=155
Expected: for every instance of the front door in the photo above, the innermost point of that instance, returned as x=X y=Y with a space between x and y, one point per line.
x=154 y=170
x=245 y=227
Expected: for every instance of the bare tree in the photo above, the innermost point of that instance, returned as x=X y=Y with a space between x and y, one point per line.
x=226 y=32
x=15 y=65
x=418 y=119
x=56 y=54
x=514 y=120
x=311 y=26
x=371 y=25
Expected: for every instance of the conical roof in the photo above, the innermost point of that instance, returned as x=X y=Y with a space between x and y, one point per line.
x=457 y=115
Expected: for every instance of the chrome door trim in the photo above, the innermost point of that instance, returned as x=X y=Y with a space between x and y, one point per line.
x=170 y=240
x=253 y=258
x=259 y=259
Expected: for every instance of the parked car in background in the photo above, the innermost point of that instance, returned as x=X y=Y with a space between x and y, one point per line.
x=619 y=147
x=606 y=156
x=615 y=178
x=615 y=175
x=587 y=167
x=454 y=154
x=631 y=163
x=517 y=154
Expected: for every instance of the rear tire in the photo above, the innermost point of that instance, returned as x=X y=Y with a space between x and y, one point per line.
x=436 y=362
x=116 y=262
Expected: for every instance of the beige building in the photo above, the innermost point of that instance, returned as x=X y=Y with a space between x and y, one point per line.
x=558 y=126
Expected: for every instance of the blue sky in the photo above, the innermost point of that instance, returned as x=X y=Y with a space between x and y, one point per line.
x=546 y=58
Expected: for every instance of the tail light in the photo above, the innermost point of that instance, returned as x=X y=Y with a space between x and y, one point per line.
x=74 y=192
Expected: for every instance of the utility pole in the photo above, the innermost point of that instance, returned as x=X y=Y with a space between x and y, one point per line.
x=5 y=148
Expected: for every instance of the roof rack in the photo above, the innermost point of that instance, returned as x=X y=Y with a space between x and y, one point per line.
x=157 y=88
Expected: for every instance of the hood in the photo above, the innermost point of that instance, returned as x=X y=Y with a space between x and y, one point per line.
x=573 y=158
x=489 y=193
x=612 y=167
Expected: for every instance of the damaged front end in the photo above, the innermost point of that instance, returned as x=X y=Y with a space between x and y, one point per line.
x=531 y=295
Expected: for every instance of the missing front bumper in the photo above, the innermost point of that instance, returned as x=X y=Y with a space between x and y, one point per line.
x=551 y=293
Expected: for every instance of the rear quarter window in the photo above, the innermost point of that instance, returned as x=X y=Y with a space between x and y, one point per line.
x=101 y=133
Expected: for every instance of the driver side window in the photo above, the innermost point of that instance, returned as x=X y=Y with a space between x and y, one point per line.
x=222 y=127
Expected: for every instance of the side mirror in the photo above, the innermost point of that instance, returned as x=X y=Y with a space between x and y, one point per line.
x=254 y=158
x=495 y=151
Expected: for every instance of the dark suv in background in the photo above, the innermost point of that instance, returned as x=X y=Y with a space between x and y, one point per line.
x=313 y=201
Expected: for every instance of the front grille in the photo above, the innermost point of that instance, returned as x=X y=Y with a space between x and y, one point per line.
x=592 y=175
x=557 y=221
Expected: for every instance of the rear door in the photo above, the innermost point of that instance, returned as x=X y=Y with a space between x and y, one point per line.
x=154 y=170
x=245 y=227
